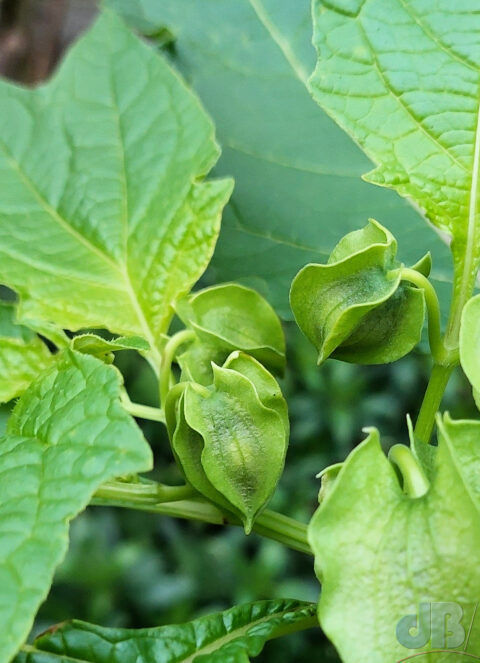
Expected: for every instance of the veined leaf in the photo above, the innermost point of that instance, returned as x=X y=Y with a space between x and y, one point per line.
x=22 y=354
x=66 y=436
x=232 y=636
x=249 y=60
x=104 y=215
x=102 y=348
x=402 y=78
x=382 y=555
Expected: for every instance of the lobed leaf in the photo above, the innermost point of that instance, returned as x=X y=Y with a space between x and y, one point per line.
x=66 y=436
x=105 y=217
x=232 y=636
x=380 y=554
x=22 y=354
x=276 y=139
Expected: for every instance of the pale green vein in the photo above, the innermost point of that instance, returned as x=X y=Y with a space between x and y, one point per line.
x=280 y=40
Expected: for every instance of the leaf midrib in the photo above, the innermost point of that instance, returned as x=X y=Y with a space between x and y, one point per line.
x=280 y=41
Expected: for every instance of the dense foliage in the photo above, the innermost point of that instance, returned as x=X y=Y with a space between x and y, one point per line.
x=112 y=192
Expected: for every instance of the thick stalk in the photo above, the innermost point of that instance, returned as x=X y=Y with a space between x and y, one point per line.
x=173 y=501
x=144 y=411
x=431 y=401
x=145 y=492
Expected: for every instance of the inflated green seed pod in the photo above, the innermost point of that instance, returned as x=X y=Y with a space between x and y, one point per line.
x=225 y=318
x=355 y=307
x=230 y=438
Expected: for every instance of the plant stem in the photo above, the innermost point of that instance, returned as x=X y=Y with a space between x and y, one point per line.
x=171 y=501
x=437 y=347
x=144 y=492
x=283 y=529
x=431 y=401
x=144 y=411
x=169 y=353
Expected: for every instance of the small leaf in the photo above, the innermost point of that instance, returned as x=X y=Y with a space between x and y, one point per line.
x=22 y=355
x=232 y=636
x=103 y=349
x=66 y=436
x=354 y=307
x=105 y=217
x=230 y=438
x=380 y=554
x=232 y=317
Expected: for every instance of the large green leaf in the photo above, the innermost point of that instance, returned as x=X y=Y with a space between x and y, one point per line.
x=381 y=554
x=402 y=78
x=232 y=636
x=297 y=175
x=66 y=436
x=22 y=354
x=104 y=215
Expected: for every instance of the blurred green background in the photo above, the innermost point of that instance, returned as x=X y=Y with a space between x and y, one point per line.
x=136 y=569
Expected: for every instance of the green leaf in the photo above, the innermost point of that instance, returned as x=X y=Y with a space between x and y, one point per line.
x=232 y=636
x=402 y=79
x=355 y=307
x=230 y=439
x=105 y=219
x=66 y=436
x=380 y=553
x=470 y=342
x=22 y=354
x=276 y=140
x=103 y=349
x=232 y=317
